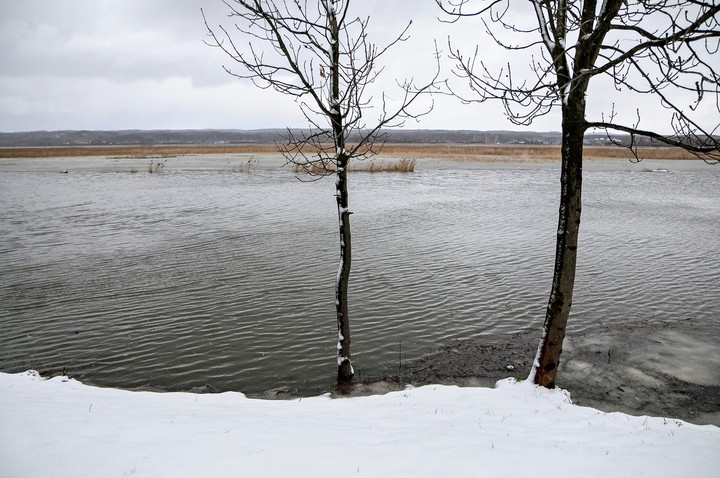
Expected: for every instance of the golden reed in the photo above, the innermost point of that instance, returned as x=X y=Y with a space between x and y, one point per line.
x=463 y=152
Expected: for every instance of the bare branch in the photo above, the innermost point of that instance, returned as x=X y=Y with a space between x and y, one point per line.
x=705 y=147
x=657 y=48
x=302 y=60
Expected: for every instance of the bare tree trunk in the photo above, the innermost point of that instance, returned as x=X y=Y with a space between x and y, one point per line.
x=345 y=370
x=660 y=49
x=558 y=310
x=320 y=54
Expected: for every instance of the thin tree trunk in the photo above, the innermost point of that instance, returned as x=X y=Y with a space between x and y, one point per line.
x=548 y=355
x=345 y=370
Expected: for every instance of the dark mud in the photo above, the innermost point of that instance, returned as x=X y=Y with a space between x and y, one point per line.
x=659 y=369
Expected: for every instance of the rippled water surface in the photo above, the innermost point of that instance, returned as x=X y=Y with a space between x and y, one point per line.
x=182 y=279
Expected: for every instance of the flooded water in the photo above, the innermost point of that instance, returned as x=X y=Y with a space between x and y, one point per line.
x=187 y=278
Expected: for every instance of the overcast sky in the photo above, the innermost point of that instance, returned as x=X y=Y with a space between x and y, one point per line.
x=142 y=64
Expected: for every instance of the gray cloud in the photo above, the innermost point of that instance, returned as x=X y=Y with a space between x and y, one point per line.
x=109 y=64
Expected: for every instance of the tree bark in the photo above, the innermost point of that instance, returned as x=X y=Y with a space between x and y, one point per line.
x=558 y=309
x=345 y=370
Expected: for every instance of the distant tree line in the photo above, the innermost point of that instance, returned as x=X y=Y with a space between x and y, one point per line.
x=271 y=136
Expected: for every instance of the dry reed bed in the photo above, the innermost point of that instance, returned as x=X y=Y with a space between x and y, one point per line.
x=369 y=166
x=481 y=152
x=133 y=151
x=465 y=152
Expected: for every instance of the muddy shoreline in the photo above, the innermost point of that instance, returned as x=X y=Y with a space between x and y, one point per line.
x=661 y=369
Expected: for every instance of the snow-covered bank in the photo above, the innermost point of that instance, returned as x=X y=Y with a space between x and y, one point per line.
x=62 y=428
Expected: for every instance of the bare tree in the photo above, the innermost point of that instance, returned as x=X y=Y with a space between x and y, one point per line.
x=658 y=49
x=319 y=54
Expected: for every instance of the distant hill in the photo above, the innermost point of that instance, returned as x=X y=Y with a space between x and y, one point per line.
x=269 y=136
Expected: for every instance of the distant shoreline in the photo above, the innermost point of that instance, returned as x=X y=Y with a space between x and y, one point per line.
x=452 y=151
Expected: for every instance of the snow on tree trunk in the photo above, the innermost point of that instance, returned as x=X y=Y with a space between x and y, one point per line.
x=547 y=359
x=345 y=370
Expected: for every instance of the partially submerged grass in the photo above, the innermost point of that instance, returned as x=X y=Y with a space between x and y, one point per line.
x=246 y=167
x=156 y=167
x=404 y=165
